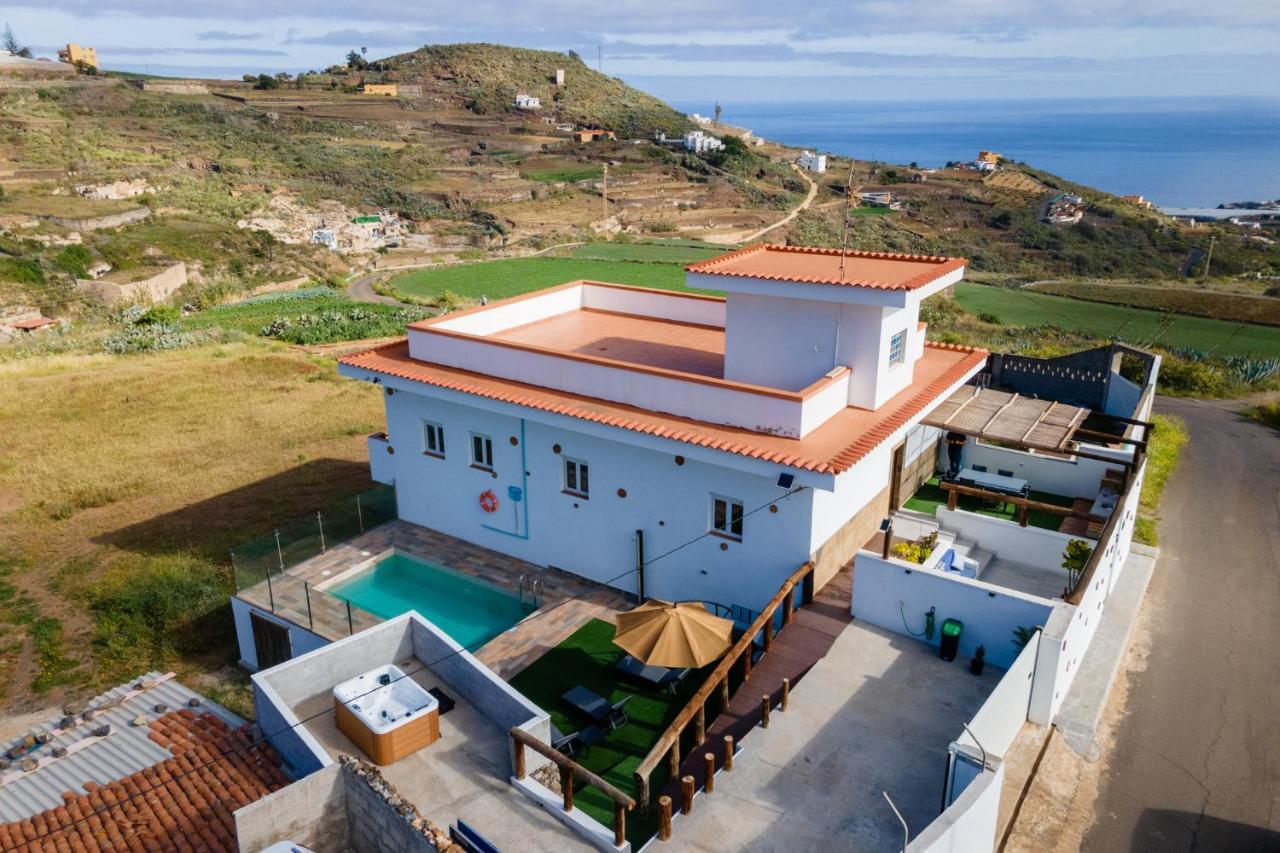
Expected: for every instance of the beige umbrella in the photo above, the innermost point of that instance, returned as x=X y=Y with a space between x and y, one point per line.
x=673 y=635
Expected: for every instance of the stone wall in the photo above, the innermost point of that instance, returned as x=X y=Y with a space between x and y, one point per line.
x=175 y=87
x=379 y=819
x=917 y=471
x=96 y=223
x=852 y=535
x=157 y=288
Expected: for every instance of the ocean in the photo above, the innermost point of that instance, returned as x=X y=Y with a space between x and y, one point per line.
x=1178 y=152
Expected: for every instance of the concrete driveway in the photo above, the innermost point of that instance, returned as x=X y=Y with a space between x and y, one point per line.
x=1196 y=763
x=876 y=714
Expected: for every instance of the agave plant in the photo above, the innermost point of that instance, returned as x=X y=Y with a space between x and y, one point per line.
x=1254 y=370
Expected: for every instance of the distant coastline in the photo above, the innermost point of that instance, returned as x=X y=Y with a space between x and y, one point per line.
x=1178 y=152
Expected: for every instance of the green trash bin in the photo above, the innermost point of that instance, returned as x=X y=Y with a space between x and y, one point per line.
x=951 y=631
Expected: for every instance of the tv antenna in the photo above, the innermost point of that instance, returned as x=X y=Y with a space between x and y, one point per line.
x=848 y=213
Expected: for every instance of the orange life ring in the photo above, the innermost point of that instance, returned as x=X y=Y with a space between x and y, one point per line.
x=488 y=502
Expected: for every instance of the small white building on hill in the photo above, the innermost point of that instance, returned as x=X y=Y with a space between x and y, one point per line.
x=687 y=446
x=812 y=162
x=699 y=142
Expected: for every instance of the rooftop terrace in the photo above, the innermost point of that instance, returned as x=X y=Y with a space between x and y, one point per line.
x=803 y=265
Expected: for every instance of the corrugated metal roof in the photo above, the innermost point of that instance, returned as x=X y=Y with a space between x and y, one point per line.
x=126 y=750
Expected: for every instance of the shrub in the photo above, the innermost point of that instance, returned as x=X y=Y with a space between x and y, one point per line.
x=159 y=315
x=1196 y=379
x=988 y=317
x=448 y=301
x=74 y=260
x=143 y=337
x=1074 y=558
x=918 y=551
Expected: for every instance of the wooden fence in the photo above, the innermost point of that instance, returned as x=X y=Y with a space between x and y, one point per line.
x=695 y=712
x=569 y=769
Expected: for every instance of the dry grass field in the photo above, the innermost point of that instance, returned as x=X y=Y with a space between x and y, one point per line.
x=125 y=480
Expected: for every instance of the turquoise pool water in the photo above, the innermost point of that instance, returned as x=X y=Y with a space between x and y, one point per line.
x=469 y=611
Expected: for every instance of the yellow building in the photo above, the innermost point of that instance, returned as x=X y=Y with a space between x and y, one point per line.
x=77 y=54
x=389 y=90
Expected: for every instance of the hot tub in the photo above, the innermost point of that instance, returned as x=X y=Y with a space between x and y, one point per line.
x=386 y=714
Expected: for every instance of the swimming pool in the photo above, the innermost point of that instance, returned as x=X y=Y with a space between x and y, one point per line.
x=470 y=611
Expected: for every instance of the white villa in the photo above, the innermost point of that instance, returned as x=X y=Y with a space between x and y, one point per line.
x=528 y=102
x=699 y=142
x=812 y=162
x=669 y=444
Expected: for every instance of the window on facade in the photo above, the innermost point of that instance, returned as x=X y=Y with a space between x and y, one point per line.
x=898 y=348
x=577 y=478
x=726 y=516
x=432 y=439
x=481 y=451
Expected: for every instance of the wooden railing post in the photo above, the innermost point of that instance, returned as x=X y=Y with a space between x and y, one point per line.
x=664 y=818
x=619 y=825
x=808 y=585
x=746 y=660
x=768 y=634
x=566 y=788
x=728 y=753
x=710 y=759
x=952 y=498
x=686 y=795
x=786 y=693
x=700 y=725
x=673 y=759
x=724 y=693
x=519 y=758
x=788 y=606
x=764 y=712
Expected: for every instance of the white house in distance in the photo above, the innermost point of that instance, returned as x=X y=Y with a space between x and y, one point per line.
x=699 y=142
x=812 y=162
x=528 y=102
x=681 y=446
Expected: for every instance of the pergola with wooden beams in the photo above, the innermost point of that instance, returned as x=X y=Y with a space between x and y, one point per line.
x=1030 y=423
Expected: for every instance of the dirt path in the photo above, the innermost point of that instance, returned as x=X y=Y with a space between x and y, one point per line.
x=751 y=237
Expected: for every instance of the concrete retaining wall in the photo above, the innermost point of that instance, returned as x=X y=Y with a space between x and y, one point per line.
x=96 y=223
x=157 y=288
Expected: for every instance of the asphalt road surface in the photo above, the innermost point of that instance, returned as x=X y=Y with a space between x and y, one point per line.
x=1196 y=762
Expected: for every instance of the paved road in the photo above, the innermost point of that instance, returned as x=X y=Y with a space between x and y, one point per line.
x=1196 y=763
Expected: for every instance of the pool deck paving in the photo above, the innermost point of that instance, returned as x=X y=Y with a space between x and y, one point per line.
x=567 y=601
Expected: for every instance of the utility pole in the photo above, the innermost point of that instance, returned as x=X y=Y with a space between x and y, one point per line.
x=604 y=195
x=848 y=209
x=599 y=59
x=1209 y=256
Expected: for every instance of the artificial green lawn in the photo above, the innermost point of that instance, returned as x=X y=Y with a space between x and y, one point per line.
x=587 y=658
x=930 y=496
x=500 y=279
x=1022 y=308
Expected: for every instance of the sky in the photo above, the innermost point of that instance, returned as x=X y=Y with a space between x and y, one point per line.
x=689 y=51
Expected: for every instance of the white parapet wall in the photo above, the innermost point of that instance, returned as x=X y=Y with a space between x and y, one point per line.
x=969 y=824
x=895 y=595
x=1002 y=716
x=1031 y=546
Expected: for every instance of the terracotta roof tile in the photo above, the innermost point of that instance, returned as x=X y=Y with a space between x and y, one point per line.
x=832 y=448
x=807 y=265
x=184 y=803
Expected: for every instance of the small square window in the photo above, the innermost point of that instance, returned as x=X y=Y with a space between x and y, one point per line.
x=577 y=478
x=433 y=439
x=726 y=517
x=898 y=348
x=481 y=451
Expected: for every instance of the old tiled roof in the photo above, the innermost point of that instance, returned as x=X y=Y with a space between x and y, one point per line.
x=183 y=803
x=805 y=265
x=832 y=448
x=167 y=778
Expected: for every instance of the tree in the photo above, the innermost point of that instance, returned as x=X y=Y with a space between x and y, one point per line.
x=719 y=109
x=1074 y=559
x=356 y=62
x=266 y=81
x=9 y=42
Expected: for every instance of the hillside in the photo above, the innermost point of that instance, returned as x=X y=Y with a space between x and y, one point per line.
x=489 y=76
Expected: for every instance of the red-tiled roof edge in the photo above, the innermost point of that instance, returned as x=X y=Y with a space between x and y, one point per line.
x=841 y=462
x=944 y=265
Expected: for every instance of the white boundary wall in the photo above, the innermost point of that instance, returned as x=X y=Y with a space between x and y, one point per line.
x=884 y=589
x=1002 y=716
x=969 y=824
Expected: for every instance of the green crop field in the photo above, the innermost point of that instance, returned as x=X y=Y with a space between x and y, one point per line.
x=500 y=279
x=565 y=175
x=1215 y=304
x=1022 y=308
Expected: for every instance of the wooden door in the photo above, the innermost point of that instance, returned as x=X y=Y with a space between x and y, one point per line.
x=895 y=477
x=270 y=641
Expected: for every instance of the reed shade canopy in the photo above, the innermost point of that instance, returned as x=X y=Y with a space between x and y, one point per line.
x=676 y=636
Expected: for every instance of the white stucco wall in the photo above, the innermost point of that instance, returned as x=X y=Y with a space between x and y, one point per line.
x=885 y=592
x=1072 y=478
x=969 y=824
x=595 y=537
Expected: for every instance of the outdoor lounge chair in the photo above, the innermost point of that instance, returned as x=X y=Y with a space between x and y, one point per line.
x=659 y=677
x=570 y=743
x=595 y=707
